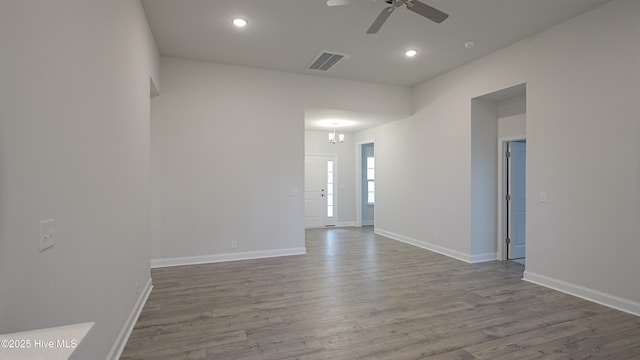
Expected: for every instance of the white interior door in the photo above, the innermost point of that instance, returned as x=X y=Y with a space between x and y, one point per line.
x=319 y=191
x=517 y=203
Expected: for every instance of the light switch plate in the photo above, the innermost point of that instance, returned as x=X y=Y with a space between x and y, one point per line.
x=542 y=196
x=47 y=232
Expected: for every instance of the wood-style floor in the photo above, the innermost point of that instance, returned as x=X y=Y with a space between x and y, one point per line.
x=356 y=295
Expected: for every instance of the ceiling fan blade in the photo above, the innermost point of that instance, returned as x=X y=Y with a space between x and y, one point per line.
x=377 y=24
x=345 y=2
x=427 y=11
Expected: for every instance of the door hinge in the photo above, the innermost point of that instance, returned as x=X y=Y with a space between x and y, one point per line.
x=508 y=197
x=508 y=154
x=508 y=241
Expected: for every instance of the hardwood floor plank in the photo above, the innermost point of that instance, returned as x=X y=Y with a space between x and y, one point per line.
x=584 y=344
x=357 y=295
x=200 y=354
x=180 y=342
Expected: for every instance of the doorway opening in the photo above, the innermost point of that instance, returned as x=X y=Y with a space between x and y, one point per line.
x=514 y=167
x=511 y=160
x=366 y=184
x=496 y=118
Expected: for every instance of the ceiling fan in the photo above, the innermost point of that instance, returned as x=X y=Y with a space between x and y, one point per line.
x=416 y=6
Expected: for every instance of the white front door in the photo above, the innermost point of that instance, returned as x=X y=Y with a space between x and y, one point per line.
x=517 y=199
x=319 y=191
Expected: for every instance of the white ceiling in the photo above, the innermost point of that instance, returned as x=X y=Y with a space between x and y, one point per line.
x=288 y=34
x=345 y=121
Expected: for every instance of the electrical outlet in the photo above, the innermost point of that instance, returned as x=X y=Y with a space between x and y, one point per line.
x=234 y=244
x=47 y=232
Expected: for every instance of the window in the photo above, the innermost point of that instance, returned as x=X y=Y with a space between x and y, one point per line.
x=330 y=193
x=371 y=183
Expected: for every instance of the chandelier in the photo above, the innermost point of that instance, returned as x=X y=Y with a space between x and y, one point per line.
x=333 y=139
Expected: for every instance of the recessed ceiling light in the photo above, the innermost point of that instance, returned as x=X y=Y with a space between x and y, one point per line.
x=239 y=22
x=411 y=53
x=469 y=44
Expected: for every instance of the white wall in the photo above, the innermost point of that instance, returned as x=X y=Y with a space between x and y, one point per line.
x=228 y=148
x=484 y=179
x=512 y=117
x=317 y=142
x=413 y=173
x=512 y=106
x=512 y=126
x=74 y=146
x=582 y=134
x=583 y=148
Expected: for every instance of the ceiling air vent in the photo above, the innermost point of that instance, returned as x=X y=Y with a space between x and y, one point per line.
x=326 y=60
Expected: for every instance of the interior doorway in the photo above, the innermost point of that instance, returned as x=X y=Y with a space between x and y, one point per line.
x=320 y=192
x=366 y=184
x=495 y=118
x=512 y=170
x=515 y=165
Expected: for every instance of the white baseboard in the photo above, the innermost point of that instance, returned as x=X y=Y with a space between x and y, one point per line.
x=592 y=295
x=337 y=225
x=478 y=258
x=437 y=248
x=123 y=337
x=367 y=222
x=213 y=258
